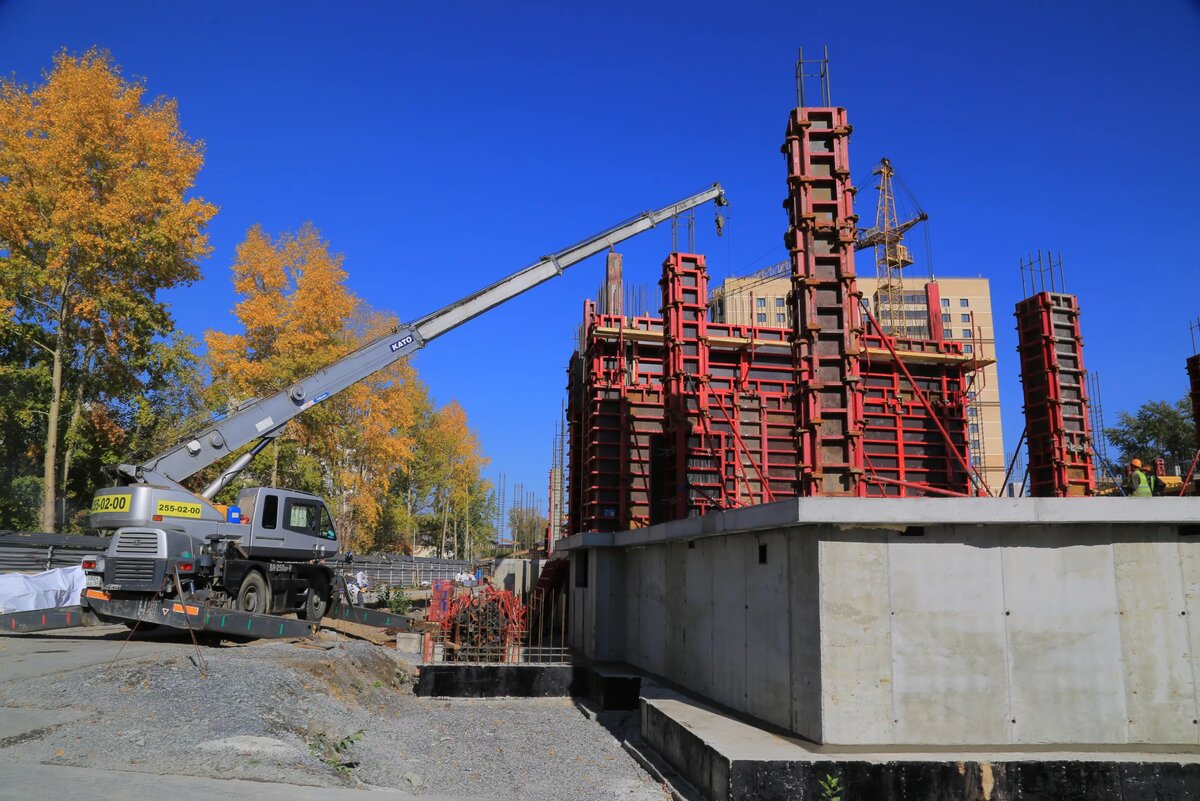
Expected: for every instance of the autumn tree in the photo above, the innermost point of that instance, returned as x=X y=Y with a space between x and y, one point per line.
x=527 y=526
x=94 y=223
x=298 y=316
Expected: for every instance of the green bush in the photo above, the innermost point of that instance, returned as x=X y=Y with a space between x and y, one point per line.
x=398 y=601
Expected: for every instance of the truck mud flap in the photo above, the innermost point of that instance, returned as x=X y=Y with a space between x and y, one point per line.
x=369 y=617
x=184 y=616
x=61 y=617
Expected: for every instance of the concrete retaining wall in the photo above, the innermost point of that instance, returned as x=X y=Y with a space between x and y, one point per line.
x=935 y=633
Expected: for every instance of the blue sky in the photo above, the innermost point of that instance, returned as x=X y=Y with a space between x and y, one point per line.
x=440 y=146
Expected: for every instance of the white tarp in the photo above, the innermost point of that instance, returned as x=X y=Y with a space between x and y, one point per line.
x=59 y=587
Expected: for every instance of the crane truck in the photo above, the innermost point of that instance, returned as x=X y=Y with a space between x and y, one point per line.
x=274 y=551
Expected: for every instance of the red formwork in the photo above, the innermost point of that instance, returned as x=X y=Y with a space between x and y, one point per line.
x=676 y=417
x=824 y=299
x=905 y=453
x=1058 y=429
x=1193 y=371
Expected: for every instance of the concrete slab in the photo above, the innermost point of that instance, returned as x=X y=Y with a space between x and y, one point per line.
x=948 y=637
x=900 y=514
x=728 y=759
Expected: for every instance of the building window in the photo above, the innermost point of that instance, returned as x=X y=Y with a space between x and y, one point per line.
x=945 y=303
x=762 y=303
x=972 y=411
x=968 y=348
x=966 y=333
x=973 y=428
x=945 y=318
x=762 y=317
x=971 y=395
x=964 y=302
x=779 y=302
x=966 y=318
x=780 y=318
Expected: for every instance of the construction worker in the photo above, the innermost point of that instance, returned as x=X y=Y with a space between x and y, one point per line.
x=1140 y=483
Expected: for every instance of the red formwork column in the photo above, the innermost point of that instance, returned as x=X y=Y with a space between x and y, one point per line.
x=695 y=470
x=824 y=300
x=1058 y=430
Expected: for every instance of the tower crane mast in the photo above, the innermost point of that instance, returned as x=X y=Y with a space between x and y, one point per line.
x=891 y=254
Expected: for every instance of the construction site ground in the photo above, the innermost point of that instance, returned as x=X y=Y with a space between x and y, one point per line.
x=82 y=711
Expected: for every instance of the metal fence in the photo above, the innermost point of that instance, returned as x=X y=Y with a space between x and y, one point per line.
x=26 y=552
x=33 y=553
x=408 y=571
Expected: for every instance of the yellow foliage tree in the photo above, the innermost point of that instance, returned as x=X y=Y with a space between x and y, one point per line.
x=297 y=317
x=457 y=460
x=93 y=223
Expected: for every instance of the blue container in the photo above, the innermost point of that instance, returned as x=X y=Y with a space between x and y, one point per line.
x=233 y=515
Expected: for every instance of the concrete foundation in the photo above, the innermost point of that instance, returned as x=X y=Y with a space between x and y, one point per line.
x=728 y=760
x=451 y=680
x=1014 y=622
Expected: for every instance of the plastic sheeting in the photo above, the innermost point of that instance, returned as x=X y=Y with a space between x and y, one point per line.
x=59 y=587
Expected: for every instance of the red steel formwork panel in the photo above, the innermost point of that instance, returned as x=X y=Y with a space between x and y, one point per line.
x=1058 y=430
x=1193 y=371
x=826 y=321
x=675 y=417
x=905 y=453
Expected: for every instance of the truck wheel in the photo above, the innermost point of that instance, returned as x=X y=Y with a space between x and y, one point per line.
x=316 y=604
x=255 y=595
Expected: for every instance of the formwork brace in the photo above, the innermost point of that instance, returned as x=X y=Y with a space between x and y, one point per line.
x=920 y=393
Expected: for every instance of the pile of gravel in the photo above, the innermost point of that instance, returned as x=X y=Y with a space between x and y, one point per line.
x=277 y=711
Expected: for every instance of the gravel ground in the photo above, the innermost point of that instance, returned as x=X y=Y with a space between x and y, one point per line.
x=278 y=712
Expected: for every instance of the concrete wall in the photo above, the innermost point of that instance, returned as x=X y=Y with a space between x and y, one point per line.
x=516 y=575
x=967 y=634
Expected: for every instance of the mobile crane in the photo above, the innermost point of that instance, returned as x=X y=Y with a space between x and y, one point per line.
x=177 y=550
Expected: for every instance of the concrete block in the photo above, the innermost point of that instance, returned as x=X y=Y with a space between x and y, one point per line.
x=768 y=620
x=948 y=640
x=804 y=599
x=856 y=641
x=729 y=650
x=1066 y=680
x=1160 y=689
x=701 y=639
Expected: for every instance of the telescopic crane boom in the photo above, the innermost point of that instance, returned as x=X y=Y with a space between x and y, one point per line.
x=264 y=419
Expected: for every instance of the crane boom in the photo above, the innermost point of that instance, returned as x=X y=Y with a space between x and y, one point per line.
x=263 y=419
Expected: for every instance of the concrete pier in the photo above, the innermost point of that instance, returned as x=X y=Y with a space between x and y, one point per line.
x=929 y=622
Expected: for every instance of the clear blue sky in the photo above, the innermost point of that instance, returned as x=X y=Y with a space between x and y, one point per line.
x=442 y=145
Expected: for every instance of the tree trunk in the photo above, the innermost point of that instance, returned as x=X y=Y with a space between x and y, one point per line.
x=50 y=458
x=445 y=516
x=73 y=426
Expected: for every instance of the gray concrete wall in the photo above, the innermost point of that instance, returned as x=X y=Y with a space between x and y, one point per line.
x=516 y=575
x=968 y=634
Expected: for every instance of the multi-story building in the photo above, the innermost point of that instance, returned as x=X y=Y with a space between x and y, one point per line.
x=963 y=312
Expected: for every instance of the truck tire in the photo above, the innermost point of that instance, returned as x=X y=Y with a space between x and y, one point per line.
x=316 y=602
x=254 y=595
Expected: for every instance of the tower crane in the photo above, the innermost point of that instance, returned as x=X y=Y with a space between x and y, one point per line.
x=891 y=255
